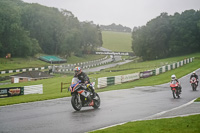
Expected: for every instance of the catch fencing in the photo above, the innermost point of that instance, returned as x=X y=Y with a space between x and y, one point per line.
x=106 y=81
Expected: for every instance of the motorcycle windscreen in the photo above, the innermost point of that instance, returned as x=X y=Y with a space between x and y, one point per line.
x=193 y=78
x=74 y=81
x=174 y=82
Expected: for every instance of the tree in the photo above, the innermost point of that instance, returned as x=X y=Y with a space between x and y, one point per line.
x=166 y=36
x=26 y=29
x=13 y=38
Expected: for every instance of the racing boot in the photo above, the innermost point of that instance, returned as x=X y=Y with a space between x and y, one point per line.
x=93 y=92
x=180 y=89
x=89 y=99
x=91 y=103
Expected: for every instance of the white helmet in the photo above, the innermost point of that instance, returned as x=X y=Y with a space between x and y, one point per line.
x=173 y=76
x=194 y=72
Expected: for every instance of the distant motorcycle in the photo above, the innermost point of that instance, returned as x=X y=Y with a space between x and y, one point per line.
x=82 y=96
x=175 y=89
x=193 y=82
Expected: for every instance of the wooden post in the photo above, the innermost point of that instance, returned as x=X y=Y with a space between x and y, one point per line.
x=61 y=86
x=64 y=85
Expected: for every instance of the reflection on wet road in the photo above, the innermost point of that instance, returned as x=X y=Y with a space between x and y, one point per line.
x=116 y=107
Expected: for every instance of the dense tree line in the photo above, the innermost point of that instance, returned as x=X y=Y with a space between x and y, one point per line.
x=168 y=35
x=27 y=29
x=114 y=27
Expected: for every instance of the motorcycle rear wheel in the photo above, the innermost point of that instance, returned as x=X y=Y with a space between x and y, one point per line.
x=97 y=102
x=75 y=104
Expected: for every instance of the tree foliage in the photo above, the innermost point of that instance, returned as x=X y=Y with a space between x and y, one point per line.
x=27 y=29
x=167 y=36
x=13 y=37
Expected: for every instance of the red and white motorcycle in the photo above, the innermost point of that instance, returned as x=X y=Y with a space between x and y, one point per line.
x=193 y=82
x=175 y=89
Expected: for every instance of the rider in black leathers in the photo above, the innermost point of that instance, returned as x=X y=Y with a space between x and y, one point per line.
x=196 y=76
x=84 y=78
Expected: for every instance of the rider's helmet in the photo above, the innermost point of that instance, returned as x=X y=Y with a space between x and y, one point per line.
x=77 y=71
x=173 y=76
x=193 y=72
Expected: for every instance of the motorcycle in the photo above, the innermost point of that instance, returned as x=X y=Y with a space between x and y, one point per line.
x=175 y=89
x=82 y=96
x=193 y=82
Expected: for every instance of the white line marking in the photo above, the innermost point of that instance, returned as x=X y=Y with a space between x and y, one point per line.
x=163 y=112
x=158 y=114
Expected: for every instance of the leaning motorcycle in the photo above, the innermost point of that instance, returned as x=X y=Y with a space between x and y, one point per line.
x=193 y=82
x=82 y=96
x=175 y=89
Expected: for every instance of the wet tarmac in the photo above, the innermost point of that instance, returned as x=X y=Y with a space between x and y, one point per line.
x=117 y=106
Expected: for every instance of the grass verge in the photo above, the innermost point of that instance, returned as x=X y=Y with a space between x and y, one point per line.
x=52 y=87
x=30 y=62
x=189 y=124
x=197 y=100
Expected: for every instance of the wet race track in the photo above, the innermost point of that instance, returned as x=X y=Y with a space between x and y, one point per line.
x=116 y=107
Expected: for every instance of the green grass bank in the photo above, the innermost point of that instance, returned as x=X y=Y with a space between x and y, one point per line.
x=117 y=41
x=52 y=86
x=189 y=124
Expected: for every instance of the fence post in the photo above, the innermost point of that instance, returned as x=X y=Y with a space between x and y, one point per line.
x=61 y=86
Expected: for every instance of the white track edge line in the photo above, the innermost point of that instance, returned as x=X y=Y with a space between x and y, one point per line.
x=151 y=117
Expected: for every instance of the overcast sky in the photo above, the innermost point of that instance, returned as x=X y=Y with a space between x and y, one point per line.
x=125 y=12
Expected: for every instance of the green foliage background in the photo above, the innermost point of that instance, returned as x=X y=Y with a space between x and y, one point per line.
x=168 y=35
x=28 y=29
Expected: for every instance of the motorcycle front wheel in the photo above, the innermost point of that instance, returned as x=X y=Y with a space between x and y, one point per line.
x=97 y=102
x=76 y=104
x=194 y=87
x=175 y=94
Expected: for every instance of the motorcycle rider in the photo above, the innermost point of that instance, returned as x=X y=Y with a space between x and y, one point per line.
x=84 y=79
x=196 y=76
x=173 y=77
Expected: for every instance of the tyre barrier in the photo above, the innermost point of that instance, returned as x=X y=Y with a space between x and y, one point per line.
x=106 y=81
x=84 y=65
x=24 y=70
x=60 y=68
